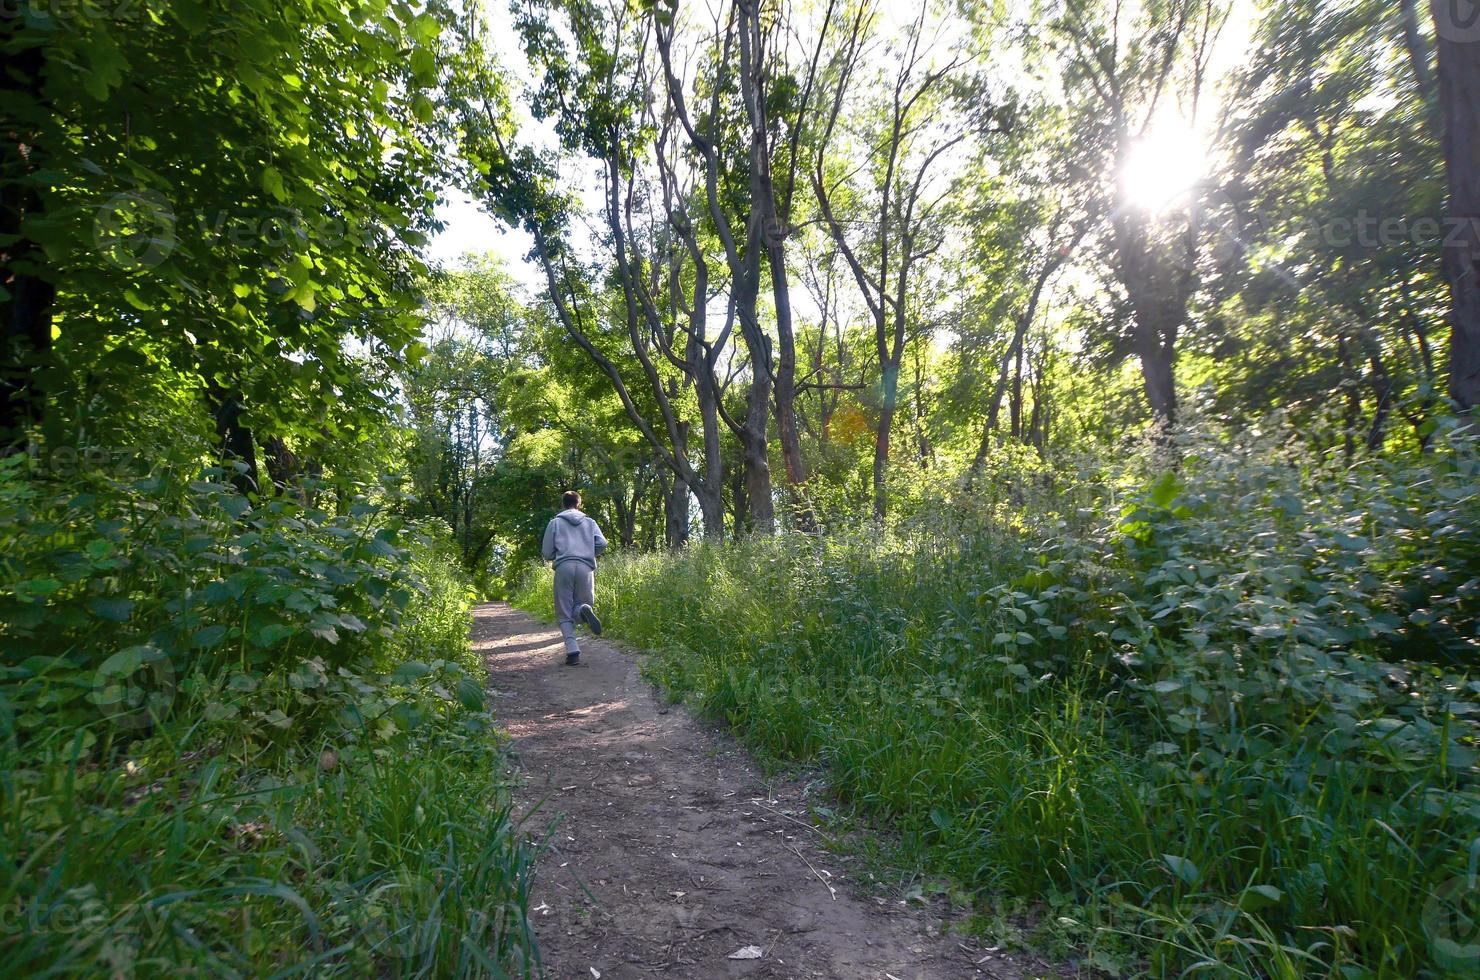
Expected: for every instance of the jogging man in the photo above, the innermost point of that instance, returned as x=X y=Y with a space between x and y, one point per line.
x=574 y=542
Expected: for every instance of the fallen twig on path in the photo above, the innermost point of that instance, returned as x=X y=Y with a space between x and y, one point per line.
x=786 y=816
x=827 y=884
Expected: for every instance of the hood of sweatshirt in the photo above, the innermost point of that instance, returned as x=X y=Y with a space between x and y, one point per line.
x=573 y=516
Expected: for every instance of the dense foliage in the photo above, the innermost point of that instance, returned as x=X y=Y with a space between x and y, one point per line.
x=1076 y=400
x=224 y=634
x=1173 y=709
x=219 y=782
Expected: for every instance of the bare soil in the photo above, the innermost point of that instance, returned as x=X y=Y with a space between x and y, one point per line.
x=669 y=853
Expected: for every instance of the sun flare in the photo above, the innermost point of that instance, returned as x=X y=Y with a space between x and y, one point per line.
x=1163 y=168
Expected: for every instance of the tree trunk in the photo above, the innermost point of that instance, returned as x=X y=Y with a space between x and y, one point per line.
x=237 y=445
x=1155 y=263
x=710 y=490
x=1054 y=259
x=1038 y=419
x=1016 y=415
x=26 y=298
x=786 y=373
x=283 y=465
x=1353 y=411
x=712 y=510
x=759 y=507
x=1459 y=101
x=786 y=425
x=1418 y=49
x=740 y=500
x=676 y=516
x=655 y=507
x=676 y=503
x=627 y=521
x=771 y=236
x=922 y=439
x=890 y=392
x=746 y=272
x=1158 y=373
x=1382 y=390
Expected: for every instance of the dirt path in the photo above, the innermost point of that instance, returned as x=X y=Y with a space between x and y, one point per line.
x=671 y=854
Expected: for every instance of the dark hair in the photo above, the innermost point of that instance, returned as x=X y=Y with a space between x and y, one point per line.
x=571 y=499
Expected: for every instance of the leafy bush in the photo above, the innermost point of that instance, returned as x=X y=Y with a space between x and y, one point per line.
x=208 y=709
x=1213 y=723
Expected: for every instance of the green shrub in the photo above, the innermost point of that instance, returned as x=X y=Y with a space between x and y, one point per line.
x=244 y=740
x=1219 y=723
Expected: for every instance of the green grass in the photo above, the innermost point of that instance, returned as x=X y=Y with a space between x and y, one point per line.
x=1161 y=792
x=400 y=860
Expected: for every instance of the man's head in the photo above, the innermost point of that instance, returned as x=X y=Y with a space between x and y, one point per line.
x=571 y=500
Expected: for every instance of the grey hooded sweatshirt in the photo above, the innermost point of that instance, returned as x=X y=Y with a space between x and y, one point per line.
x=572 y=536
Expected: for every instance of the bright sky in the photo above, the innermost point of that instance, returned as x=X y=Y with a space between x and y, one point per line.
x=470 y=230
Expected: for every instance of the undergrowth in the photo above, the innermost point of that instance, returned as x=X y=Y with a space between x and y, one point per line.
x=1218 y=725
x=244 y=740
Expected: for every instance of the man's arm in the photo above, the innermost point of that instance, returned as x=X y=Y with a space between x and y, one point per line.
x=598 y=539
x=547 y=547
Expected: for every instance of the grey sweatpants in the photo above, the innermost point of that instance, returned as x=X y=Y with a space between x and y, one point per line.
x=575 y=585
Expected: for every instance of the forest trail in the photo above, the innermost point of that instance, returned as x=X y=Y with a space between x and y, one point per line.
x=671 y=853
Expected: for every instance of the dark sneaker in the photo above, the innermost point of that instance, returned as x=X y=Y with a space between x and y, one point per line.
x=573 y=659
x=587 y=615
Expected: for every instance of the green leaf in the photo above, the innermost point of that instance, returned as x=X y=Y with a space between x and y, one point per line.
x=425 y=28
x=470 y=693
x=411 y=670
x=272 y=634
x=324 y=630
x=1256 y=897
x=1184 y=869
x=277 y=719
x=218 y=711
x=126 y=661
x=38 y=587
x=424 y=66
x=1165 y=490
x=272 y=183
x=113 y=609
